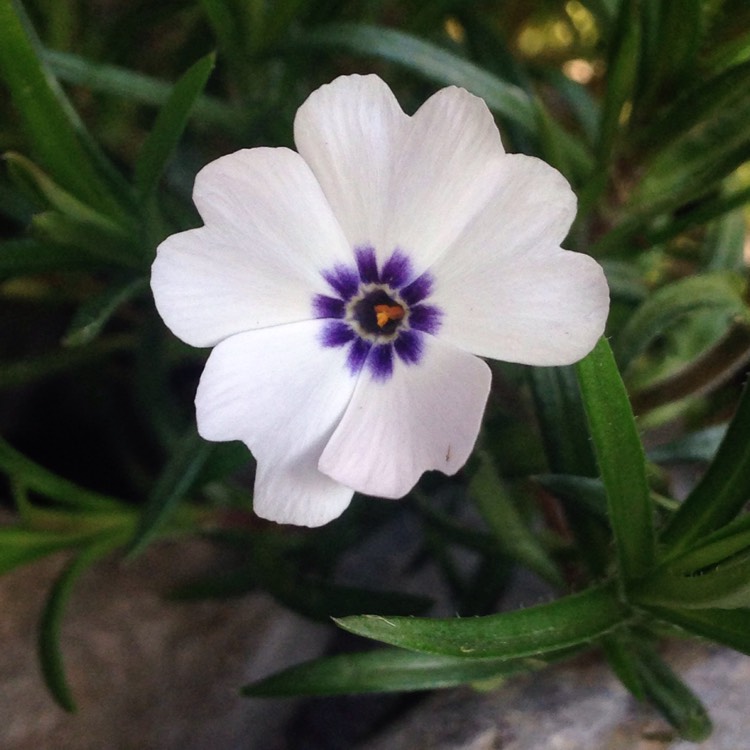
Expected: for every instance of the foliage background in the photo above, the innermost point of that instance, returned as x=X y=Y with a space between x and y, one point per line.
x=110 y=108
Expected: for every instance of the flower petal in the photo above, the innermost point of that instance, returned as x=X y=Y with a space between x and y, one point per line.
x=348 y=131
x=282 y=393
x=425 y=416
x=269 y=232
x=444 y=173
x=542 y=308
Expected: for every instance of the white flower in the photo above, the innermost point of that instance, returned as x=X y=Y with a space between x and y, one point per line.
x=347 y=288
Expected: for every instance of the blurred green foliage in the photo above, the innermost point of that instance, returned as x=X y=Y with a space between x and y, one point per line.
x=108 y=110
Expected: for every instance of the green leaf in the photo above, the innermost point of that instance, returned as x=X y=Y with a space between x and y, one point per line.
x=58 y=137
x=564 y=431
x=35 y=477
x=695 y=107
x=621 y=460
x=38 y=185
x=723 y=490
x=730 y=627
x=700 y=446
x=230 y=34
x=176 y=480
x=169 y=125
x=93 y=315
x=275 y=570
x=562 y=420
x=703 y=373
x=721 y=291
x=726 y=586
x=618 y=649
x=385 y=670
x=724 y=246
x=91 y=240
x=498 y=509
x=625 y=281
x=116 y=81
x=432 y=62
x=695 y=162
x=672 y=35
x=19 y=546
x=728 y=541
x=588 y=492
x=25 y=257
x=24 y=372
x=675 y=701
x=621 y=75
x=573 y=620
x=50 y=657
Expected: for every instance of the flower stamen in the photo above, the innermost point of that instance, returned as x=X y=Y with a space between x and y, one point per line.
x=386 y=313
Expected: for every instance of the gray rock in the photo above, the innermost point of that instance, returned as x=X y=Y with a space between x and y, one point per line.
x=579 y=706
x=146 y=672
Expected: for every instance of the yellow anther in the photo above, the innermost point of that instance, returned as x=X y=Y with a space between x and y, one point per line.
x=385 y=313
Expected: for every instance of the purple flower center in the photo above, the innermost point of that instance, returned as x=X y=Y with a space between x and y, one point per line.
x=377 y=313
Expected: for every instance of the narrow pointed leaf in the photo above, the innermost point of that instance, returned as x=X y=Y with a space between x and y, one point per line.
x=724 y=489
x=35 y=477
x=730 y=627
x=727 y=586
x=55 y=131
x=700 y=446
x=169 y=125
x=91 y=317
x=621 y=76
x=728 y=541
x=28 y=256
x=704 y=373
x=570 y=621
x=720 y=291
x=674 y=700
x=50 y=656
x=19 y=546
x=117 y=81
x=501 y=515
x=24 y=372
x=384 y=670
x=621 y=461
x=175 y=482
x=694 y=163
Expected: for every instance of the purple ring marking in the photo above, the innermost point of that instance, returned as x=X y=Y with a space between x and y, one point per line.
x=397 y=279
x=380 y=361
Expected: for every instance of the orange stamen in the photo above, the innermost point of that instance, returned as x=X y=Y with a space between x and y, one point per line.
x=386 y=313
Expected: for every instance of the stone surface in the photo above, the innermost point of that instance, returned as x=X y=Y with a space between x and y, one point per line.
x=146 y=673
x=579 y=706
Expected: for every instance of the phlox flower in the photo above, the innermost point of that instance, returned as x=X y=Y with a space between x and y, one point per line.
x=350 y=288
